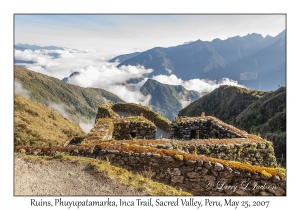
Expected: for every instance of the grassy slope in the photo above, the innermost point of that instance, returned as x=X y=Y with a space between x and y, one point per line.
x=225 y=103
x=45 y=89
x=267 y=117
x=37 y=125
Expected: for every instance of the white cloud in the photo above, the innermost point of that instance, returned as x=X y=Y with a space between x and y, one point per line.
x=20 y=90
x=94 y=70
x=85 y=124
x=113 y=79
x=61 y=109
x=185 y=103
x=39 y=57
x=199 y=85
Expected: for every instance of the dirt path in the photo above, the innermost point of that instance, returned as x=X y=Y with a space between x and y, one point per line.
x=64 y=178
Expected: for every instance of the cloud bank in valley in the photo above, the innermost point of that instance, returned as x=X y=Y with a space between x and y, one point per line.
x=200 y=85
x=93 y=67
x=114 y=79
x=95 y=71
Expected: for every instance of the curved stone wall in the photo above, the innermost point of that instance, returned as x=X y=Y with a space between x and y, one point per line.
x=138 y=110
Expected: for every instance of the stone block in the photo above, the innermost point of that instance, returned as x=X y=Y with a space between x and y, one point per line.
x=218 y=167
x=177 y=179
x=192 y=175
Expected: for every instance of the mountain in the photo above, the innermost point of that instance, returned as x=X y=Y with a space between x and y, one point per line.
x=23 y=47
x=267 y=117
x=37 y=125
x=77 y=102
x=252 y=60
x=236 y=48
x=263 y=70
x=122 y=58
x=225 y=103
x=185 y=61
x=66 y=79
x=168 y=99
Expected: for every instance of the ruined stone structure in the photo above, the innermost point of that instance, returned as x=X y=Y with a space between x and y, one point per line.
x=188 y=128
x=136 y=127
x=203 y=155
x=222 y=141
x=109 y=111
x=142 y=125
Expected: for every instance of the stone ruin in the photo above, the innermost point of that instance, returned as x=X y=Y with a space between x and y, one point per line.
x=200 y=153
x=188 y=128
x=135 y=127
x=140 y=123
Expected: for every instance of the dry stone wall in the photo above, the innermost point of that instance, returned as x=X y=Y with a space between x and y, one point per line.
x=188 y=128
x=254 y=153
x=138 y=110
x=203 y=176
x=197 y=176
x=105 y=111
x=102 y=130
x=129 y=129
x=122 y=128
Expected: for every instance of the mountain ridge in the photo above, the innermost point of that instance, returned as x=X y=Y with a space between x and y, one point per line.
x=49 y=90
x=167 y=99
x=218 y=58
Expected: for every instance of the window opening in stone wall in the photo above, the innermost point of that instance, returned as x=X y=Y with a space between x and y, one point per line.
x=193 y=134
x=133 y=134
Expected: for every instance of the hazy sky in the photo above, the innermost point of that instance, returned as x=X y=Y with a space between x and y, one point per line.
x=138 y=32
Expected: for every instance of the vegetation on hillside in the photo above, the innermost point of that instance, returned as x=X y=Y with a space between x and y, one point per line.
x=225 y=103
x=257 y=112
x=37 y=125
x=267 y=118
x=76 y=101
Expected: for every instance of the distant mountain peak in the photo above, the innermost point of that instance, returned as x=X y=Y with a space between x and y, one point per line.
x=37 y=47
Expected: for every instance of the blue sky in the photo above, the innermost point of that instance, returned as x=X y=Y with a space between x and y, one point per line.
x=138 y=32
